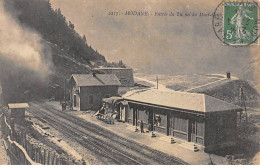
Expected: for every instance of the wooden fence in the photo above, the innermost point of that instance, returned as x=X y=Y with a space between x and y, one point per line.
x=23 y=152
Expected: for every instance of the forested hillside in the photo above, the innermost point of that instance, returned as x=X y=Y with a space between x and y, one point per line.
x=53 y=27
x=40 y=49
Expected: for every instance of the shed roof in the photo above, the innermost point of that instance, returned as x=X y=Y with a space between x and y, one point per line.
x=18 y=105
x=95 y=80
x=181 y=100
x=112 y=68
x=112 y=100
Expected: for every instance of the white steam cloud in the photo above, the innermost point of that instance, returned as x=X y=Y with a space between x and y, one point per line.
x=21 y=46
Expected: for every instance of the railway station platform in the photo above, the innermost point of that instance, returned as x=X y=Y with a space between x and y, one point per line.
x=161 y=142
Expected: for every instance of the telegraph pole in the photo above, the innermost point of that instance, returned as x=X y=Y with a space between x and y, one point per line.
x=243 y=101
x=157 y=81
x=65 y=91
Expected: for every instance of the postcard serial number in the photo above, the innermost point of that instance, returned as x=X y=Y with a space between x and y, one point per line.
x=114 y=13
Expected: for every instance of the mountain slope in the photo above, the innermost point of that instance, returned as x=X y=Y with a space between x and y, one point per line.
x=53 y=27
x=215 y=85
x=230 y=91
x=42 y=38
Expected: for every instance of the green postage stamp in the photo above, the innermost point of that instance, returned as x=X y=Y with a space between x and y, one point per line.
x=240 y=23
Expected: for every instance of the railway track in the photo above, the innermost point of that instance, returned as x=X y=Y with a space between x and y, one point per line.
x=112 y=148
x=112 y=156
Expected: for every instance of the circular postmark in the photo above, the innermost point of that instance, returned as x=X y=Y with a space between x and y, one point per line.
x=236 y=23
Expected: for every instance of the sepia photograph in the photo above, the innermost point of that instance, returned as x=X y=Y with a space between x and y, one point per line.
x=129 y=82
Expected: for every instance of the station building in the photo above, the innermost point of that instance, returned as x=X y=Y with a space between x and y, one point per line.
x=193 y=117
x=87 y=90
x=125 y=75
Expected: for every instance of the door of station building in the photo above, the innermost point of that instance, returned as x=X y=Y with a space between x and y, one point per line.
x=192 y=131
x=151 y=121
x=75 y=100
x=122 y=115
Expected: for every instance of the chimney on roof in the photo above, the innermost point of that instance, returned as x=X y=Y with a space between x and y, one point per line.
x=228 y=75
x=93 y=74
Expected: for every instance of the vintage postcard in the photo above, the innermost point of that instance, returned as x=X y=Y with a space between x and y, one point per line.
x=129 y=82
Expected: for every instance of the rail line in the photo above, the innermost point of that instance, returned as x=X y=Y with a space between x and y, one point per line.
x=161 y=158
x=92 y=143
x=114 y=140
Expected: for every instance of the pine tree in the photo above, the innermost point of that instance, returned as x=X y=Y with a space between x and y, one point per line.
x=84 y=39
x=71 y=25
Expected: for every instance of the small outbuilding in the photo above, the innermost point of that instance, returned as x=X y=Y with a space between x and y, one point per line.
x=88 y=90
x=197 y=118
x=18 y=110
x=125 y=75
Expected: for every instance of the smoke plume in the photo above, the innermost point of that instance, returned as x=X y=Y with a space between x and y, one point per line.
x=21 y=46
x=25 y=61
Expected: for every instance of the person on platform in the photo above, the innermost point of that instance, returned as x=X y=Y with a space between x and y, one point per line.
x=142 y=126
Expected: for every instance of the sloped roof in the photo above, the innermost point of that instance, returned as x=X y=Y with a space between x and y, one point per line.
x=18 y=105
x=112 y=100
x=97 y=80
x=111 y=68
x=181 y=100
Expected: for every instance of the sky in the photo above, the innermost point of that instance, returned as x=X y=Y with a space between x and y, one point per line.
x=157 y=44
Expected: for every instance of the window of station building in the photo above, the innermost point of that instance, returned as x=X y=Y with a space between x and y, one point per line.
x=180 y=124
x=200 y=129
x=123 y=80
x=91 y=99
x=193 y=128
x=172 y=122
